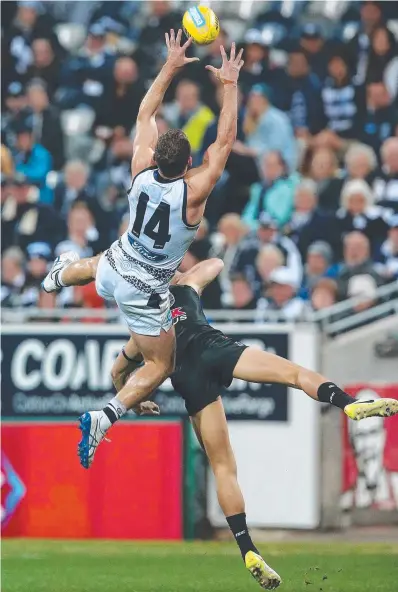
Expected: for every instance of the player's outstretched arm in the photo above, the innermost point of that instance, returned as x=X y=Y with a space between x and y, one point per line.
x=200 y=275
x=146 y=129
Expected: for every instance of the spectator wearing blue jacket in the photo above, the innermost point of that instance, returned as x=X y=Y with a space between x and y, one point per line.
x=274 y=195
x=267 y=128
x=298 y=93
x=33 y=160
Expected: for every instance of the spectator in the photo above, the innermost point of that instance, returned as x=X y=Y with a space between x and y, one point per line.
x=280 y=297
x=386 y=183
x=269 y=257
x=358 y=275
x=248 y=249
x=324 y=294
x=45 y=122
x=383 y=60
x=318 y=265
x=359 y=46
x=358 y=212
x=82 y=236
x=388 y=256
x=308 y=224
x=189 y=114
x=29 y=23
x=341 y=104
x=33 y=160
x=267 y=128
x=298 y=92
x=24 y=220
x=360 y=162
x=15 y=102
x=7 y=163
x=380 y=116
x=242 y=293
x=121 y=100
x=324 y=171
x=231 y=230
x=12 y=276
x=256 y=69
x=85 y=77
x=39 y=257
x=315 y=47
x=73 y=187
x=274 y=194
x=46 y=65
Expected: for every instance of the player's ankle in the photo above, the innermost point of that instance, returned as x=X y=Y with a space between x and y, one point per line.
x=114 y=410
x=238 y=526
x=330 y=393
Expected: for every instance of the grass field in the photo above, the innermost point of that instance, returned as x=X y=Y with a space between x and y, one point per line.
x=109 y=566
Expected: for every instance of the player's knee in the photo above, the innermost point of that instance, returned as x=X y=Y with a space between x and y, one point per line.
x=93 y=263
x=116 y=374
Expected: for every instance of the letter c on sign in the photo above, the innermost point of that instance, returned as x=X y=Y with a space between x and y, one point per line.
x=22 y=380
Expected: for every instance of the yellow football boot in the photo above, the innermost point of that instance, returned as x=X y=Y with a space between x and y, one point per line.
x=261 y=572
x=379 y=408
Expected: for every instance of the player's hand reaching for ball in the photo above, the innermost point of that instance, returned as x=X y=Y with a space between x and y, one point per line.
x=147 y=408
x=229 y=71
x=176 y=52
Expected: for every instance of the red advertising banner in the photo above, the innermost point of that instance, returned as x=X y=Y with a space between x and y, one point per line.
x=370 y=455
x=133 y=490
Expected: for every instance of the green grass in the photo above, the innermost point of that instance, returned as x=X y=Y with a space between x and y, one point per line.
x=110 y=566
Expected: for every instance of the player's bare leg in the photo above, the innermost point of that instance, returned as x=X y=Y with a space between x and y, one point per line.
x=211 y=428
x=69 y=270
x=259 y=366
x=158 y=354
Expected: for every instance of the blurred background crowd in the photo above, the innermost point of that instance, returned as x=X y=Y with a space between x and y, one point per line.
x=306 y=213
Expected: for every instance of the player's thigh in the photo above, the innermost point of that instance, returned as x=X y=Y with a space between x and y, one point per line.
x=159 y=349
x=211 y=426
x=106 y=279
x=255 y=365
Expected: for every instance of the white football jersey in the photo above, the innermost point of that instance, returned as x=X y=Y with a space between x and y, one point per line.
x=158 y=236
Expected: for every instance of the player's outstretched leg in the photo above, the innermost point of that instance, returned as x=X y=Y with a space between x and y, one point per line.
x=52 y=281
x=211 y=428
x=259 y=366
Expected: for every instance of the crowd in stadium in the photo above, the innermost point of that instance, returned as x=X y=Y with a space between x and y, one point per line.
x=306 y=213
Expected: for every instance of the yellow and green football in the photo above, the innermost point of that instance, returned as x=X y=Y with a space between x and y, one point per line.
x=202 y=24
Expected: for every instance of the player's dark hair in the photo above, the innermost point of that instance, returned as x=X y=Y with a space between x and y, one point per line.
x=172 y=153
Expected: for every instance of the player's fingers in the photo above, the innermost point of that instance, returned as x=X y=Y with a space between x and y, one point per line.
x=241 y=64
x=187 y=43
x=189 y=60
x=212 y=69
x=223 y=54
x=232 y=54
x=239 y=56
x=172 y=36
x=179 y=35
x=167 y=40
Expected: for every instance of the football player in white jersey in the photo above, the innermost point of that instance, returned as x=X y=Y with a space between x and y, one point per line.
x=167 y=201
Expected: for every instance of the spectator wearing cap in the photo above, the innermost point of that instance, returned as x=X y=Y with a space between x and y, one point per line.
x=358 y=212
x=24 y=218
x=45 y=122
x=45 y=66
x=341 y=104
x=360 y=162
x=39 y=257
x=33 y=160
x=383 y=60
x=12 y=276
x=324 y=170
x=313 y=43
x=385 y=185
x=30 y=23
x=318 y=264
x=121 y=101
x=281 y=297
x=85 y=77
x=267 y=233
x=257 y=68
x=380 y=117
x=298 y=93
x=309 y=224
x=358 y=275
x=274 y=194
x=388 y=256
x=268 y=128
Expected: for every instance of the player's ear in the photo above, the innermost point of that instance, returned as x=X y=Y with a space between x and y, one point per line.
x=189 y=162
